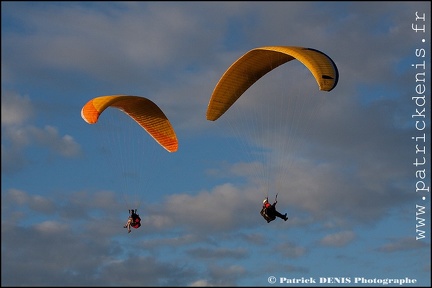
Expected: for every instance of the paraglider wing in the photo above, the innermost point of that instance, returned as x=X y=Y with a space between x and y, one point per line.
x=146 y=113
x=253 y=65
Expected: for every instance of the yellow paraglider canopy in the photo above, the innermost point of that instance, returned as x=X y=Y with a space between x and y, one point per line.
x=253 y=65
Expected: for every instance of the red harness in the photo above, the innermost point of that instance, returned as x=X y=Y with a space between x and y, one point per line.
x=136 y=222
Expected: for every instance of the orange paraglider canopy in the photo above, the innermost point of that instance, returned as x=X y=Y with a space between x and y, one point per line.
x=145 y=112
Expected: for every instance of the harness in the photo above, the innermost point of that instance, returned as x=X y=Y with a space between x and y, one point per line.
x=136 y=221
x=268 y=213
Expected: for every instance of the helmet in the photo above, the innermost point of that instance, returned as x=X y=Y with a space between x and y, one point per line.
x=265 y=200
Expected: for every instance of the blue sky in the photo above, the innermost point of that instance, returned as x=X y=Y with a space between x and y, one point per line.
x=341 y=161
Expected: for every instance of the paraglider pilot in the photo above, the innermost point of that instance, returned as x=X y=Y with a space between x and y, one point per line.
x=134 y=220
x=269 y=211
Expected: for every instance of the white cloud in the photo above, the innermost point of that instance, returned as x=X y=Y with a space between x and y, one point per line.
x=15 y=109
x=339 y=239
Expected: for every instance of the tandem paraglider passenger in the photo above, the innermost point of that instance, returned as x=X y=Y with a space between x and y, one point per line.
x=269 y=211
x=134 y=220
